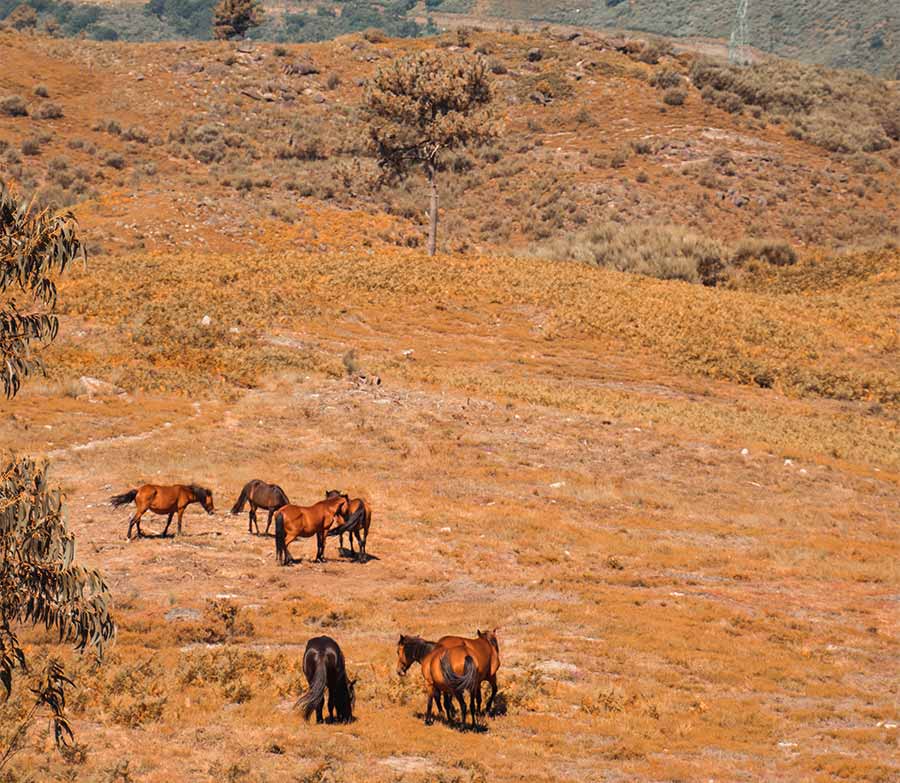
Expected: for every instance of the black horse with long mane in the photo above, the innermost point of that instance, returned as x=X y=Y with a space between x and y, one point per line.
x=324 y=667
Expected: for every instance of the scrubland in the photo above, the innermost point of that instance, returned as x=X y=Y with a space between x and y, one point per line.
x=678 y=502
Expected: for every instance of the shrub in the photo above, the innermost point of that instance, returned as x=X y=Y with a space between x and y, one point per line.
x=772 y=251
x=280 y=51
x=665 y=252
x=49 y=111
x=666 y=78
x=674 y=96
x=115 y=161
x=31 y=147
x=13 y=106
x=41 y=91
x=136 y=133
x=333 y=81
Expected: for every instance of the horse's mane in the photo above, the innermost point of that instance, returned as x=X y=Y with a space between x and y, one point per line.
x=200 y=493
x=415 y=647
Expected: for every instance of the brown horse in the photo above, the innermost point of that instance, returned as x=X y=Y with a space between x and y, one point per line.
x=358 y=519
x=163 y=500
x=446 y=669
x=259 y=494
x=306 y=521
x=324 y=667
x=412 y=649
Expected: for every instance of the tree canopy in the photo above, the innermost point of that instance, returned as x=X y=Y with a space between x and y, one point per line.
x=423 y=105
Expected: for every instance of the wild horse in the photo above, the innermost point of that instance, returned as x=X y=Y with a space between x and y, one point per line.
x=306 y=521
x=259 y=494
x=358 y=522
x=324 y=667
x=163 y=500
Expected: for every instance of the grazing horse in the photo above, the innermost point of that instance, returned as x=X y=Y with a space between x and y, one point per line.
x=259 y=494
x=358 y=518
x=163 y=500
x=305 y=522
x=323 y=665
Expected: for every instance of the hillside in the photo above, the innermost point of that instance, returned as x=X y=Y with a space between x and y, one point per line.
x=839 y=34
x=676 y=501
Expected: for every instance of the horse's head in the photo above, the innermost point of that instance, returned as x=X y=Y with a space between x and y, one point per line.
x=332 y=493
x=204 y=497
x=491 y=637
x=404 y=659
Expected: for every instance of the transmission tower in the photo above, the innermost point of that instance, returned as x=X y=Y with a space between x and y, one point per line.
x=737 y=46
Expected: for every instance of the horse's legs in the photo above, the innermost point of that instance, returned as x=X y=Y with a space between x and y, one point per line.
x=130 y=525
x=429 y=719
x=320 y=718
x=472 y=707
x=361 y=540
x=490 y=701
x=268 y=522
x=180 y=515
x=448 y=707
x=461 y=698
x=330 y=706
x=168 y=522
x=320 y=546
x=477 y=697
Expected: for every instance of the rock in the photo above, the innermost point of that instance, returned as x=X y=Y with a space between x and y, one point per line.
x=559 y=670
x=558 y=484
x=409 y=764
x=94 y=387
x=303 y=68
x=446 y=529
x=745 y=452
x=534 y=55
x=205 y=321
x=181 y=613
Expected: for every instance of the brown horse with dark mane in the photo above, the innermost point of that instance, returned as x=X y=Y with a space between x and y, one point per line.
x=259 y=494
x=163 y=500
x=458 y=666
x=306 y=521
x=359 y=520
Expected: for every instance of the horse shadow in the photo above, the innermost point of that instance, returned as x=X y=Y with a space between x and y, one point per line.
x=455 y=725
x=349 y=555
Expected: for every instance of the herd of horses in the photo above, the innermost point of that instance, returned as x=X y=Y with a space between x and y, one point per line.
x=336 y=515
x=452 y=667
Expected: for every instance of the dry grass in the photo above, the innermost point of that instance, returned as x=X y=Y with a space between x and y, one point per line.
x=677 y=503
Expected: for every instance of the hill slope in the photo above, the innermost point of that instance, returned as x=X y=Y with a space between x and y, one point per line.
x=839 y=34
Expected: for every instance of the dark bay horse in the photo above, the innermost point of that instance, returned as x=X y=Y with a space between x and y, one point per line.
x=306 y=521
x=163 y=500
x=357 y=523
x=324 y=667
x=259 y=494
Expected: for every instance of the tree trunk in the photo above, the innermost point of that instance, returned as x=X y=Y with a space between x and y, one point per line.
x=432 y=212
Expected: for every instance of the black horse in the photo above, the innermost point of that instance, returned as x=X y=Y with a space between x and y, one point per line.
x=259 y=494
x=323 y=665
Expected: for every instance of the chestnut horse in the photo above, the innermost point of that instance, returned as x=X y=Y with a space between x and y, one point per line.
x=163 y=500
x=358 y=519
x=306 y=521
x=259 y=494
x=459 y=665
x=323 y=666
x=412 y=649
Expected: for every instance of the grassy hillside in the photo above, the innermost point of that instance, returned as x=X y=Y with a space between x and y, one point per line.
x=676 y=501
x=835 y=33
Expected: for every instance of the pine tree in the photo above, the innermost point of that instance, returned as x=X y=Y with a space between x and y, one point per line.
x=423 y=105
x=232 y=18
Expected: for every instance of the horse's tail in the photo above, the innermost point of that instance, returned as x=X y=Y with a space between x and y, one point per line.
x=350 y=525
x=313 y=697
x=238 y=506
x=123 y=499
x=467 y=681
x=280 y=538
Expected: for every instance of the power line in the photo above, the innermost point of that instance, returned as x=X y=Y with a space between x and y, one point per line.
x=737 y=45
